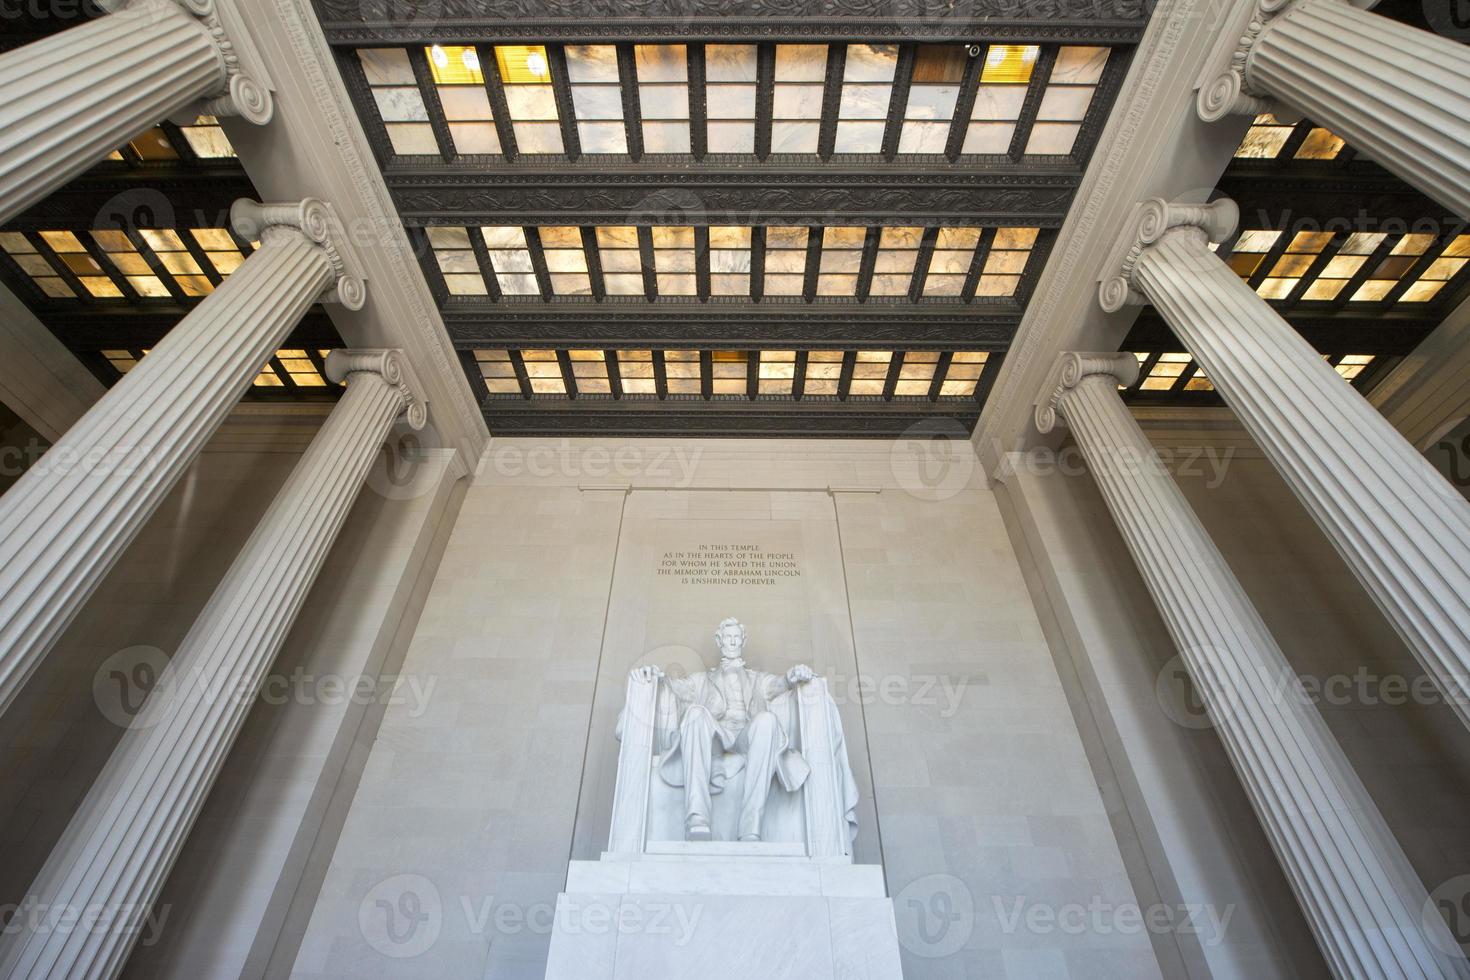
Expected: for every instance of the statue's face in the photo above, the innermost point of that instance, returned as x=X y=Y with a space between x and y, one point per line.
x=732 y=641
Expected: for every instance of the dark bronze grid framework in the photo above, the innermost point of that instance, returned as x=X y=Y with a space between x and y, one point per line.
x=756 y=190
x=1295 y=191
x=106 y=362
x=928 y=191
x=860 y=397
x=1346 y=195
x=130 y=197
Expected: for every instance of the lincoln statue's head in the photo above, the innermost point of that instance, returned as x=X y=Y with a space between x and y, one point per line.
x=730 y=635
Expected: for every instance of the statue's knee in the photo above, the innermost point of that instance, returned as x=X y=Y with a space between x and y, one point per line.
x=699 y=717
x=764 y=724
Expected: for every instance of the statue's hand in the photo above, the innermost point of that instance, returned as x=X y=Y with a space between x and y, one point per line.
x=648 y=673
x=799 y=673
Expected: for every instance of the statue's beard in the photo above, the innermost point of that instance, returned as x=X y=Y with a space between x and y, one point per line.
x=730 y=663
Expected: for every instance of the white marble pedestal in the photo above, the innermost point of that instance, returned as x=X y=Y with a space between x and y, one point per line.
x=723 y=911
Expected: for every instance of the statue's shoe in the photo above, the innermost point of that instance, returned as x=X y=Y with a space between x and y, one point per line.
x=697 y=830
x=750 y=838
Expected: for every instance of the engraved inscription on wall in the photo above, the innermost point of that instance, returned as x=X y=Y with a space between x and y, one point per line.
x=729 y=564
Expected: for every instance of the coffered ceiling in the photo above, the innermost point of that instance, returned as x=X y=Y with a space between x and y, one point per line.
x=684 y=216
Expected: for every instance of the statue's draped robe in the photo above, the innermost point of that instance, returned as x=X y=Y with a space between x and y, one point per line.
x=761 y=692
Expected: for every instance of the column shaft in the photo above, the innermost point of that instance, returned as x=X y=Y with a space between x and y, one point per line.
x=1395 y=92
x=120 y=845
x=1398 y=524
x=66 y=521
x=72 y=98
x=1360 y=894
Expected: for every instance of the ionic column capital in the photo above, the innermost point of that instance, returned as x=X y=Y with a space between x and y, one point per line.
x=1224 y=87
x=318 y=221
x=1150 y=222
x=395 y=371
x=247 y=89
x=1071 y=367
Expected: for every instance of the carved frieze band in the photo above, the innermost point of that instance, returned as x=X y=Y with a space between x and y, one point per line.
x=873 y=21
x=739 y=325
x=744 y=202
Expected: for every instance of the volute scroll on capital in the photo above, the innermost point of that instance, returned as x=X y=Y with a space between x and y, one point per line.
x=318 y=221
x=1225 y=86
x=1069 y=370
x=1150 y=222
x=393 y=367
x=247 y=88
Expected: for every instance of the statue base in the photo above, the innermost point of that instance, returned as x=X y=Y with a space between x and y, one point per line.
x=722 y=910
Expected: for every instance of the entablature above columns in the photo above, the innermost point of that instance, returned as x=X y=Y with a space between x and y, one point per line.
x=871 y=21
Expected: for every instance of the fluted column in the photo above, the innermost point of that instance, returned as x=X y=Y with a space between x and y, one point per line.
x=66 y=521
x=1399 y=525
x=1397 y=93
x=1358 y=890
x=117 y=850
x=72 y=98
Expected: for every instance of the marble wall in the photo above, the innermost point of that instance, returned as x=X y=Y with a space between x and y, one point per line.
x=978 y=795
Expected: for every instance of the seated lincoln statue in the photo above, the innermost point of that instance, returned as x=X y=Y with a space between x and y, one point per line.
x=731 y=720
